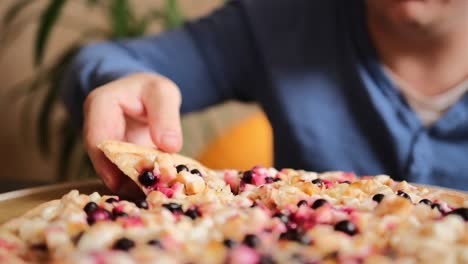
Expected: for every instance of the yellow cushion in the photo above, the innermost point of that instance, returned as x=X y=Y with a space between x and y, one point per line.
x=246 y=144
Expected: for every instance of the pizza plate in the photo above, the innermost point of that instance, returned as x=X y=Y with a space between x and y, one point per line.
x=16 y=203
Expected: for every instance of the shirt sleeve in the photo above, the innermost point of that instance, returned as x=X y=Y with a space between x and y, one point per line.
x=211 y=60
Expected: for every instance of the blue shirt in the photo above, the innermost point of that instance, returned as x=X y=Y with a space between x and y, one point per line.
x=312 y=68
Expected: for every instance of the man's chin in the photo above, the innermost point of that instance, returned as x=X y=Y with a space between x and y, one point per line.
x=412 y=12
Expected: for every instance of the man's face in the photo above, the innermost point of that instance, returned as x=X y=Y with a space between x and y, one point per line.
x=429 y=16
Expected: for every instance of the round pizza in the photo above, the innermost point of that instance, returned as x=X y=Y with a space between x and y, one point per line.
x=192 y=214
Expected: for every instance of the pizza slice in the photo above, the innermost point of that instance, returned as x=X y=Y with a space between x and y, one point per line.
x=152 y=169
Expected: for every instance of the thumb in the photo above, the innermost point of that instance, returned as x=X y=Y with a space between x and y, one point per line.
x=162 y=101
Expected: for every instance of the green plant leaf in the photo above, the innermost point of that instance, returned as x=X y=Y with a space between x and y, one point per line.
x=47 y=107
x=47 y=22
x=92 y=3
x=14 y=10
x=68 y=144
x=139 y=28
x=120 y=14
x=173 y=15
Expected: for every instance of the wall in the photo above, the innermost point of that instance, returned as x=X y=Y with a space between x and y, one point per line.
x=19 y=158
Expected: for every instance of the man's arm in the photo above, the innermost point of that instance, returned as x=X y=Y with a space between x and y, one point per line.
x=210 y=60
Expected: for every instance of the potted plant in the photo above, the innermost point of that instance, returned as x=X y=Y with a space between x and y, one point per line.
x=122 y=22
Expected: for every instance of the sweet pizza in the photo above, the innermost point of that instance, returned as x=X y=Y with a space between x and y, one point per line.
x=192 y=214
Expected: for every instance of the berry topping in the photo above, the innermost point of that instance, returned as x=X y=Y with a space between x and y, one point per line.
x=40 y=247
x=403 y=194
x=301 y=203
x=347 y=227
x=181 y=167
x=436 y=205
x=147 y=178
x=318 y=182
x=192 y=213
x=264 y=259
x=378 y=197
x=155 y=242
x=276 y=179
x=426 y=201
x=229 y=243
x=90 y=207
x=112 y=200
x=117 y=213
x=251 y=240
x=123 y=244
x=284 y=218
x=143 y=204
x=173 y=207
x=99 y=214
x=462 y=211
x=295 y=235
x=196 y=172
x=247 y=177
x=347 y=182
x=269 y=179
x=318 y=203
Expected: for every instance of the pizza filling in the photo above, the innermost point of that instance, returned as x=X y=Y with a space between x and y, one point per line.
x=261 y=215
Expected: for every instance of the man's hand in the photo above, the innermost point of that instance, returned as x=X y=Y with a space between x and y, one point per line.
x=142 y=109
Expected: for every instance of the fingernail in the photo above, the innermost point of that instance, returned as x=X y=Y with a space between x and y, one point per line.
x=170 y=140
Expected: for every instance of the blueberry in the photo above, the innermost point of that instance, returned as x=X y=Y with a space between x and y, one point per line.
x=117 y=213
x=462 y=211
x=426 y=201
x=196 y=172
x=90 y=207
x=301 y=203
x=181 y=167
x=99 y=214
x=229 y=243
x=284 y=218
x=247 y=177
x=147 y=178
x=276 y=179
x=192 y=213
x=436 y=205
x=251 y=240
x=40 y=247
x=155 y=242
x=378 y=197
x=123 y=244
x=318 y=203
x=290 y=234
x=112 y=200
x=295 y=235
x=403 y=194
x=265 y=259
x=347 y=227
x=143 y=204
x=318 y=182
x=269 y=180
x=173 y=207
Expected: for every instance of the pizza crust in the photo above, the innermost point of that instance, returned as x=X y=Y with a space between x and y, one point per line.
x=133 y=159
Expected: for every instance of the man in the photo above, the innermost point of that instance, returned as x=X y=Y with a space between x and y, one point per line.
x=374 y=86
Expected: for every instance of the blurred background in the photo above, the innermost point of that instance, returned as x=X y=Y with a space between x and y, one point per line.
x=37 y=39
